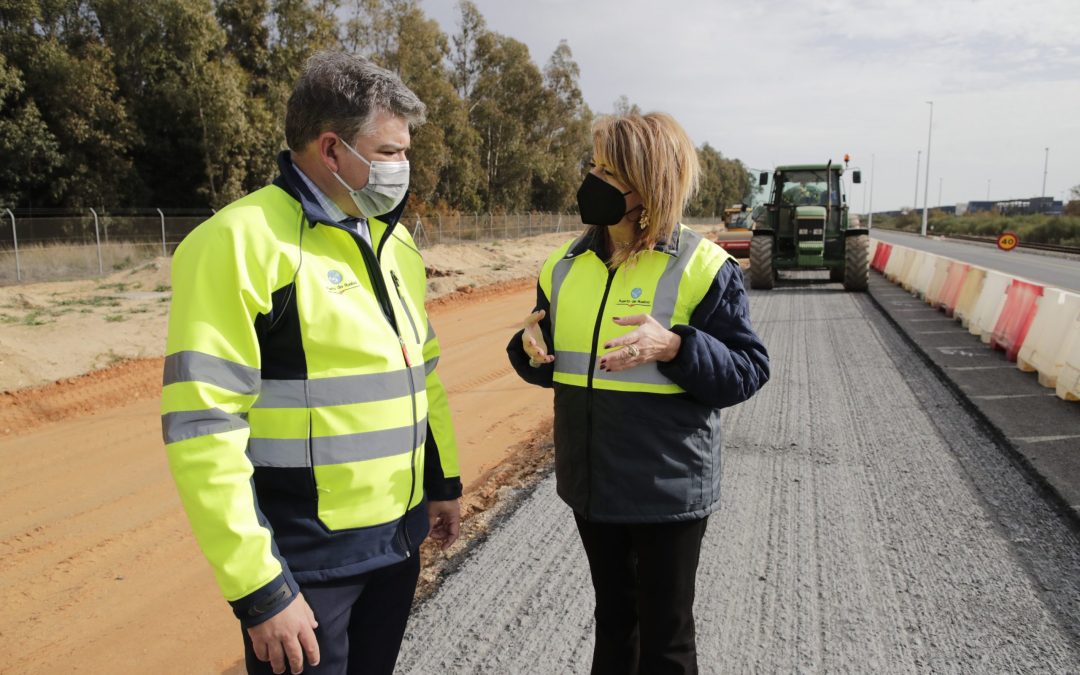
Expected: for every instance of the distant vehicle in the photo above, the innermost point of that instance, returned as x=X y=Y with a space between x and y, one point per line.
x=735 y=239
x=806 y=227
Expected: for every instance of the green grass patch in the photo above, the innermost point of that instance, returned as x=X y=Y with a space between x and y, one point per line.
x=114 y=318
x=95 y=301
x=35 y=319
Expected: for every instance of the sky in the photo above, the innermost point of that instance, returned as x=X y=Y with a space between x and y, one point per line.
x=771 y=82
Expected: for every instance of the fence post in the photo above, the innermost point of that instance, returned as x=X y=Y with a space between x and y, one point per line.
x=15 y=239
x=164 y=252
x=97 y=237
x=418 y=232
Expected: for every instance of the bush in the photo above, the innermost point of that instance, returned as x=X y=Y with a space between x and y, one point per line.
x=1036 y=228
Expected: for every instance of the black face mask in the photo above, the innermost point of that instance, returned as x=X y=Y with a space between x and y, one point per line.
x=601 y=203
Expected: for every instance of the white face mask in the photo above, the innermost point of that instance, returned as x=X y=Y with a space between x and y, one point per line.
x=386 y=187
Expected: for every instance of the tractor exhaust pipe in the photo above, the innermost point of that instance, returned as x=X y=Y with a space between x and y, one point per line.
x=828 y=200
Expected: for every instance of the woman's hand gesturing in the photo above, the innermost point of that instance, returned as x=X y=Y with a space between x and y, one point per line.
x=533 y=340
x=648 y=342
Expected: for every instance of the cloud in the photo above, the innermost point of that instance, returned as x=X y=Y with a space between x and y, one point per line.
x=775 y=81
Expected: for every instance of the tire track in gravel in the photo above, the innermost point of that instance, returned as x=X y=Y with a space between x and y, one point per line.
x=868 y=525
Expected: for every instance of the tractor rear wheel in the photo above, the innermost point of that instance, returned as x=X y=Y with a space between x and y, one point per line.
x=857 y=263
x=761 y=267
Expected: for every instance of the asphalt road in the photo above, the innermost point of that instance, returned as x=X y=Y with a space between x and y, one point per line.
x=870 y=523
x=1052 y=269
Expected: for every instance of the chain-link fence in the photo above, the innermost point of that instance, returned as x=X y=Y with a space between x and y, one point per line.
x=48 y=245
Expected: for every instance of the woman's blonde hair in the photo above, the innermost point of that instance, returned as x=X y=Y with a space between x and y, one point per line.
x=652 y=155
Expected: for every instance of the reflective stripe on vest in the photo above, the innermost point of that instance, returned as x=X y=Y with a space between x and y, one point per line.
x=329 y=450
x=191 y=366
x=429 y=365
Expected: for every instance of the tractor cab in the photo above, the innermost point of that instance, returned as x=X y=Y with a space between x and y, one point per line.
x=806 y=226
x=808 y=210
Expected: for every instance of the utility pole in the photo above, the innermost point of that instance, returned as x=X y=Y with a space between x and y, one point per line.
x=1046 y=165
x=870 y=223
x=915 y=199
x=926 y=188
x=940 y=181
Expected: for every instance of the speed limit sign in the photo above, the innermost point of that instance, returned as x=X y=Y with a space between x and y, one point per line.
x=1007 y=241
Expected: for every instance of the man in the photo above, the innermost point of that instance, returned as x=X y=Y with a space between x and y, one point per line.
x=307 y=431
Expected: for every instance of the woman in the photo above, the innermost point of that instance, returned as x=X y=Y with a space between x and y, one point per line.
x=642 y=328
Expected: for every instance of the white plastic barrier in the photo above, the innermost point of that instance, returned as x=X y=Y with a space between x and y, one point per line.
x=937 y=281
x=1049 y=337
x=911 y=260
x=911 y=272
x=969 y=295
x=1068 y=379
x=921 y=283
x=896 y=262
x=989 y=305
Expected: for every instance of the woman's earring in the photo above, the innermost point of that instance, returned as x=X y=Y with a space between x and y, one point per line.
x=643 y=222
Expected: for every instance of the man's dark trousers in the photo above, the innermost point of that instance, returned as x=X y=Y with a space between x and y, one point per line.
x=643 y=576
x=361 y=621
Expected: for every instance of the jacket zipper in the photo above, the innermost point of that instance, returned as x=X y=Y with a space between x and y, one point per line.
x=589 y=394
x=374 y=270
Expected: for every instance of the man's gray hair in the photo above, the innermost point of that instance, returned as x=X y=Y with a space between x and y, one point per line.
x=343 y=93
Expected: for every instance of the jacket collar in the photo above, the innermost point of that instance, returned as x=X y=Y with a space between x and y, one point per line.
x=592 y=241
x=289 y=180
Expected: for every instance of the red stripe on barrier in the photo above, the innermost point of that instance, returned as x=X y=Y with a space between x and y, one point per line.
x=950 y=292
x=881 y=257
x=1016 y=317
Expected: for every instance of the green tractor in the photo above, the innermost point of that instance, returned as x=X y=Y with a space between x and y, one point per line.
x=806 y=228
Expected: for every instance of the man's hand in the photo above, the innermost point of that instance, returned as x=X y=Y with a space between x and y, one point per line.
x=444 y=519
x=533 y=340
x=648 y=342
x=287 y=636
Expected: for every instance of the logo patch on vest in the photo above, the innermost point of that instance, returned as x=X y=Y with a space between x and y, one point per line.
x=635 y=299
x=338 y=284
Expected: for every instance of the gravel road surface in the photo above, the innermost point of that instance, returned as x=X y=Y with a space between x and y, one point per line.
x=869 y=525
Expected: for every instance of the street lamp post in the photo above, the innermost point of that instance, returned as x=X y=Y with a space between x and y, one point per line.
x=915 y=199
x=926 y=187
x=1046 y=165
x=940 y=182
x=870 y=222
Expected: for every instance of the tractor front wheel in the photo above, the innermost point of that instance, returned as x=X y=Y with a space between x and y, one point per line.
x=857 y=263
x=761 y=267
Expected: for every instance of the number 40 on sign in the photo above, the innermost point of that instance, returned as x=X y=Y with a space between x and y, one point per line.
x=1007 y=241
